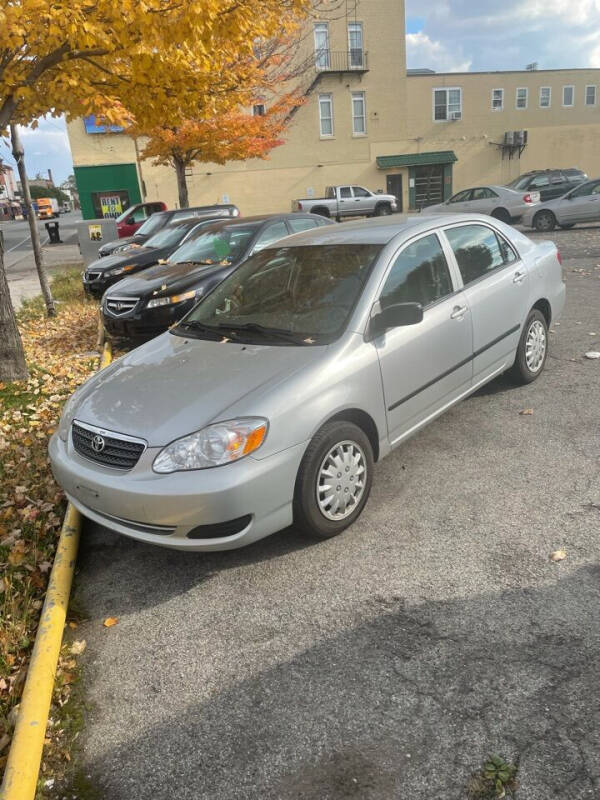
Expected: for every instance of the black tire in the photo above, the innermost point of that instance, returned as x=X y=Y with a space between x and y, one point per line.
x=308 y=517
x=544 y=221
x=568 y=227
x=521 y=372
x=501 y=214
x=383 y=209
x=322 y=211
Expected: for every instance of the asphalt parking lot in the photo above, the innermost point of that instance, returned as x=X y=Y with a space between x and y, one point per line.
x=385 y=663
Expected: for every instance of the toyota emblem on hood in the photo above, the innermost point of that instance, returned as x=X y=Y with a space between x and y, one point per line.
x=98 y=443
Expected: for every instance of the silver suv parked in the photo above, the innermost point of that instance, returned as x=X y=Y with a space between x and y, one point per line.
x=270 y=401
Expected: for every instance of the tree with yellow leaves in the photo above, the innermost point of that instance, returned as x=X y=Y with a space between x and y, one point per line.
x=139 y=62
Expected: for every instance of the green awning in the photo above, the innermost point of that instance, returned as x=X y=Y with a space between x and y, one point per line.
x=417 y=159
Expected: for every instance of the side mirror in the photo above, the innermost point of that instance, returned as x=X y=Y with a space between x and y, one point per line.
x=395 y=316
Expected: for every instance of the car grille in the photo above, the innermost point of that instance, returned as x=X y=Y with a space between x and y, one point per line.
x=92 y=276
x=111 y=449
x=121 y=305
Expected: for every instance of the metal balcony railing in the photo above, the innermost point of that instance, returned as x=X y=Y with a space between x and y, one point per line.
x=354 y=60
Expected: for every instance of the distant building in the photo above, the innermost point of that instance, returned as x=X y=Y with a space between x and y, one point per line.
x=9 y=206
x=46 y=183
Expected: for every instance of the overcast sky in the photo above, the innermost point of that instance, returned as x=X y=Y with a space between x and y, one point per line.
x=444 y=35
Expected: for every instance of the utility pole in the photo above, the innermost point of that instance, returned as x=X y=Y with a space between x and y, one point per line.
x=19 y=155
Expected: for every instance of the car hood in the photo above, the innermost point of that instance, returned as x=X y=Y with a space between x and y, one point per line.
x=165 y=278
x=110 y=246
x=141 y=256
x=173 y=386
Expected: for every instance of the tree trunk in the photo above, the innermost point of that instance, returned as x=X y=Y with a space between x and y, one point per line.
x=17 y=150
x=12 y=357
x=182 y=188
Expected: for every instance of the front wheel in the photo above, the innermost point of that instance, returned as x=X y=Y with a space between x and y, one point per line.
x=383 y=210
x=532 y=350
x=544 y=221
x=334 y=480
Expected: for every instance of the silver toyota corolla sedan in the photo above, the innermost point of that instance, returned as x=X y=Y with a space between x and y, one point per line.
x=270 y=401
x=504 y=204
x=581 y=204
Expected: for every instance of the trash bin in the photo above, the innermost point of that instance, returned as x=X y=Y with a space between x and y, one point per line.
x=53 y=234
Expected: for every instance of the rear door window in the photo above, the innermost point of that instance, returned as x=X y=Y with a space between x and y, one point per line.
x=420 y=274
x=479 y=251
x=345 y=192
x=271 y=234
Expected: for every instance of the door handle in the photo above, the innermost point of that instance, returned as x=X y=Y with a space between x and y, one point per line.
x=519 y=277
x=458 y=312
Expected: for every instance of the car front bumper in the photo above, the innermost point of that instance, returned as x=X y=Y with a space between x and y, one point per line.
x=144 y=323
x=165 y=509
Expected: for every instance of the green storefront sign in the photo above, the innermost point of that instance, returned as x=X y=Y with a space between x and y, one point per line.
x=107 y=191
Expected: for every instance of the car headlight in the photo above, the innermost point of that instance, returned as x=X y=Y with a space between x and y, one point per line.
x=174 y=298
x=213 y=446
x=121 y=270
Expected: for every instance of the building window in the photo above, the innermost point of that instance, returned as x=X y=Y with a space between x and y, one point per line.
x=359 y=121
x=590 y=95
x=326 y=114
x=545 y=96
x=258 y=110
x=355 y=45
x=497 y=99
x=447 y=104
x=521 y=101
x=568 y=96
x=322 y=45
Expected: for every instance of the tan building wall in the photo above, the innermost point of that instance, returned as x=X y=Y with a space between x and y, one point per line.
x=399 y=120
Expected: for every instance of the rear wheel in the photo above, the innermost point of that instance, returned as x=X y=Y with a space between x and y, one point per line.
x=532 y=350
x=334 y=480
x=383 y=210
x=544 y=221
x=501 y=214
x=322 y=211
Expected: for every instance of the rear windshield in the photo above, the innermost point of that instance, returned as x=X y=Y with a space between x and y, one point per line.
x=519 y=183
x=216 y=247
x=294 y=295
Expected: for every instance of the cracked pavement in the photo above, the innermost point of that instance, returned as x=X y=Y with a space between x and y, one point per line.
x=385 y=663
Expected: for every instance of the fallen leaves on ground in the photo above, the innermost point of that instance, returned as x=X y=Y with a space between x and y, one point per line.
x=526 y=412
x=110 y=621
x=558 y=555
x=31 y=504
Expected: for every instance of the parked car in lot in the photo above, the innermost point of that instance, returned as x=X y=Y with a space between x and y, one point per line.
x=270 y=401
x=581 y=204
x=499 y=202
x=348 y=201
x=145 y=305
x=132 y=218
x=159 y=219
x=105 y=272
x=548 y=182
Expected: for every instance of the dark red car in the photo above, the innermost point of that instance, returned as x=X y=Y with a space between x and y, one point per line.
x=130 y=220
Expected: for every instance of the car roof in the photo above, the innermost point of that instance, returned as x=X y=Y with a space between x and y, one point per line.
x=378 y=231
x=258 y=220
x=191 y=221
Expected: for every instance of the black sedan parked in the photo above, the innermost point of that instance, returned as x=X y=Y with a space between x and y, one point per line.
x=104 y=272
x=158 y=220
x=144 y=305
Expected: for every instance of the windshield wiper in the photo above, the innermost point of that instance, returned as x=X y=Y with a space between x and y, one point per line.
x=255 y=327
x=193 y=324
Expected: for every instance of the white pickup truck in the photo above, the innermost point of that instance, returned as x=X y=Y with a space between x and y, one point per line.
x=348 y=201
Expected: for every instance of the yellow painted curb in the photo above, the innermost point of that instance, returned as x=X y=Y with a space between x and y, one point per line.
x=23 y=764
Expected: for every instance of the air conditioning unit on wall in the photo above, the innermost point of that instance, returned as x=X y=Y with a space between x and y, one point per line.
x=455 y=116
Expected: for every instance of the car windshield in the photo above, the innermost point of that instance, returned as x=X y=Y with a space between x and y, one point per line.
x=223 y=246
x=288 y=295
x=151 y=225
x=168 y=237
x=519 y=183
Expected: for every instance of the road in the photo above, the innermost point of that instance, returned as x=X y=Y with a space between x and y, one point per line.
x=17 y=238
x=387 y=662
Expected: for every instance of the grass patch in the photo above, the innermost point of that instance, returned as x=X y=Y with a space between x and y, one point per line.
x=60 y=356
x=497 y=779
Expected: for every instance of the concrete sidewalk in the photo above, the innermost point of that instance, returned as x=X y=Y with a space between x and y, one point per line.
x=22 y=275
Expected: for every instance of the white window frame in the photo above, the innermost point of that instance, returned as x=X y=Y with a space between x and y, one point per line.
x=359 y=26
x=326 y=53
x=326 y=96
x=353 y=96
x=549 y=88
x=595 y=88
x=521 y=89
x=568 y=105
x=501 y=106
x=446 y=89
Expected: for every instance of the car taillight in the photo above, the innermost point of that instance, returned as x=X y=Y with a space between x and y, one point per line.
x=559 y=257
x=527 y=198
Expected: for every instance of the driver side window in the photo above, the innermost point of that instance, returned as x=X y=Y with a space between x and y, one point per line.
x=460 y=197
x=420 y=274
x=585 y=190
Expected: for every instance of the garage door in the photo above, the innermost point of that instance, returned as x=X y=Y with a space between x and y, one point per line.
x=429 y=185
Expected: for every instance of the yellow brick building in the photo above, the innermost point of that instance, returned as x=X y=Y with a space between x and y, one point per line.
x=367 y=120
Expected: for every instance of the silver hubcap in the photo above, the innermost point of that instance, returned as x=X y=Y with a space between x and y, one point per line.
x=535 y=346
x=341 y=480
x=544 y=222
